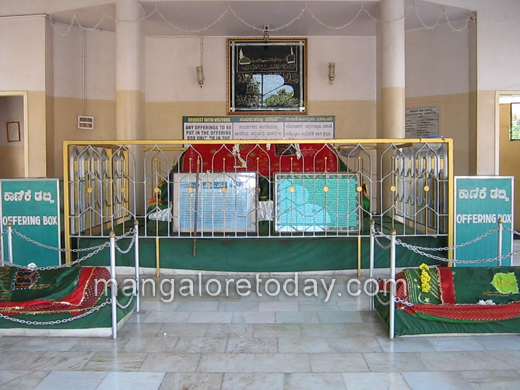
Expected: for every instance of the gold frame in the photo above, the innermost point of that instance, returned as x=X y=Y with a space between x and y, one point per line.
x=13 y=131
x=297 y=56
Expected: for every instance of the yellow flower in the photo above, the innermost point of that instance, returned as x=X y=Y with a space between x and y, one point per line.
x=424 y=267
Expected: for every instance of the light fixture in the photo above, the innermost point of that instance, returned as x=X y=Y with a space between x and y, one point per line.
x=200 y=75
x=332 y=71
x=266 y=32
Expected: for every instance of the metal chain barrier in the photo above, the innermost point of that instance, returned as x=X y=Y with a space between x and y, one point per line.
x=511 y=230
x=128 y=304
x=420 y=250
x=416 y=250
x=129 y=246
x=96 y=250
x=381 y=245
x=131 y=231
x=62 y=321
x=446 y=248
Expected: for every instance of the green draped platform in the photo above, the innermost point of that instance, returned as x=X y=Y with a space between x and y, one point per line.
x=246 y=254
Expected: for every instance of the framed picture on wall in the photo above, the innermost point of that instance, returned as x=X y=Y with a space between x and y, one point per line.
x=13 y=132
x=267 y=76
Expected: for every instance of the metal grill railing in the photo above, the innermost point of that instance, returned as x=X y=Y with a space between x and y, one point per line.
x=267 y=188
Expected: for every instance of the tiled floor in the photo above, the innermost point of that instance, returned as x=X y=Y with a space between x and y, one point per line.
x=252 y=342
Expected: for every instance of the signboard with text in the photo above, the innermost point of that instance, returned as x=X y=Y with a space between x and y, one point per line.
x=257 y=127
x=480 y=201
x=33 y=208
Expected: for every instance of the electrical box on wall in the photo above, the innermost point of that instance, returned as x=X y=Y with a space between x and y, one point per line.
x=85 y=122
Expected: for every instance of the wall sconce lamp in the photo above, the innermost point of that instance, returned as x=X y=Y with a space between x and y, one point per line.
x=332 y=71
x=200 y=75
x=266 y=33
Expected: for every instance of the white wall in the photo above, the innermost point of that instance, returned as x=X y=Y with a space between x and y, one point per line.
x=99 y=64
x=22 y=53
x=171 y=76
x=437 y=62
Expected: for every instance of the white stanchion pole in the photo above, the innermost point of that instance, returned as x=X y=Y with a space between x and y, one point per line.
x=10 y=242
x=136 y=250
x=392 y=286
x=113 y=283
x=372 y=258
x=500 y=233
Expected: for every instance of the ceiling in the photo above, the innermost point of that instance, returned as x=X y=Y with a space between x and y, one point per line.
x=248 y=18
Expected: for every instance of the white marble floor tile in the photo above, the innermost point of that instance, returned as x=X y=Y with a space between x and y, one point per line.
x=354 y=344
x=101 y=344
x=234 y=381
x=77 y=380
x=254 y=317
x=325 y=330
x=17 y=360
x=452 y=344
x=230 y=330
x=192 y=381
x=318 y=306
x=297 y=317
x=310 y=381
x=252 y=345
x=302 y=345
x=131 y=381
x=150 y=344
x=158 y=305
x=62 y=361
x=183 y=330
x=210 y=317
x=167 y=317
x=201 y=345
x=283 y=363
x=278 y=306
x=394 y=361
x=277 y=330
x=492 y=380
x=240 y=306
x=468 y=361
x=170 y=362
x=198 y=306
x=119 y=361
x=342 y=317
x=502 y=342
x=140 y=329
x=405 y=344
x=375 y=380
x=436 y=380
x=49 y=344
x=218 y=362
x=21 y=379
x=338 y=362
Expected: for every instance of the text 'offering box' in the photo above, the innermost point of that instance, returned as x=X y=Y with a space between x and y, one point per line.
x=32 y=206
x=215 y=202
x=316 y=202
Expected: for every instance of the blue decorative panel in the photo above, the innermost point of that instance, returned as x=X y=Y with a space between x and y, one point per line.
x=316 y=202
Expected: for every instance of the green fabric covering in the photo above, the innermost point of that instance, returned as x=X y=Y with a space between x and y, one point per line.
x=98 y=319
x=416 y=295
x=475 y=283
x=261 y=255
x=406 y=325
x=49 y=285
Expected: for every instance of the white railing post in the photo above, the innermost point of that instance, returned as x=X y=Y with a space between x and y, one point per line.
x=500 y=233
x=392 y=286
x=136 y=250
x=113 y=283
x=372 y=258
x=10 y=242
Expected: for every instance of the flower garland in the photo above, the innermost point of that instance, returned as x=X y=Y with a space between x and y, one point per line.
x=425 y=278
